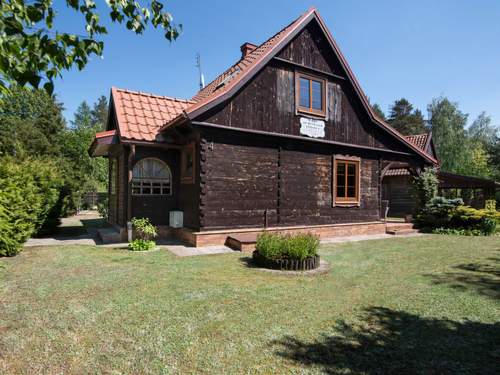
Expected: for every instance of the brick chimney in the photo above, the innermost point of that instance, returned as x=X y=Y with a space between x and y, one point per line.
x=246 y=48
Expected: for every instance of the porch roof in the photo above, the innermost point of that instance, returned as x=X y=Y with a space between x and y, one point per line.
x=139 y=115
x=102 y=142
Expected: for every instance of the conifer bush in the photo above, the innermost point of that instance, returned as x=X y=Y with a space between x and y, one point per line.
x=29 y=197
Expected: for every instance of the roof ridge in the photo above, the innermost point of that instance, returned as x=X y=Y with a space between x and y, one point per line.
x=153 y=95
x=417 y=135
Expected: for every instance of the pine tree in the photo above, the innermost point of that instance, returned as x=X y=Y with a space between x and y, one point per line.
x=405 y=119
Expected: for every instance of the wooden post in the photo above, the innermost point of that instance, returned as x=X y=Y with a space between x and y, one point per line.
x=131 y=157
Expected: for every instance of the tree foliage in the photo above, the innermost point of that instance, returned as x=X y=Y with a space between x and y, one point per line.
x=405 y=119
x=31 y=123
x=448 y=131
x=378 y=111
x=32 y=52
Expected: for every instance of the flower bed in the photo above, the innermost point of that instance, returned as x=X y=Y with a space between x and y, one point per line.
x=286 y=252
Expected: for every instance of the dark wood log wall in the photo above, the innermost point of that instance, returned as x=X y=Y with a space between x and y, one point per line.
x=253 y=181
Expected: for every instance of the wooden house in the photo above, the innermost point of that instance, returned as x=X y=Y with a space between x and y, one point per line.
x=285 y=139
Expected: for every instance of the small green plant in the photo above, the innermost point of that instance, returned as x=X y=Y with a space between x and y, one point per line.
x=279 y=246
x=141 y=245
x=145 y=232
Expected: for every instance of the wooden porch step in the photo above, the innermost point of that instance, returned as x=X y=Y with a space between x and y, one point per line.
x=400 y=228
x=244 y=242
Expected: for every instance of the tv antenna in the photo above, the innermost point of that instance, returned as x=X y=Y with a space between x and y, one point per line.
x=198 y=65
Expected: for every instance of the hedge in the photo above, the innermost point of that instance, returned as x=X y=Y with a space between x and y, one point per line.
x=30 y=201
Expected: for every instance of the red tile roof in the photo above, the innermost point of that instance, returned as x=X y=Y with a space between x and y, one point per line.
x=140 y=115
x=419 y=140
x=397 y=172
x=107 y=133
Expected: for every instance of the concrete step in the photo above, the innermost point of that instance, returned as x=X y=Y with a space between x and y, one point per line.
x=109 y=235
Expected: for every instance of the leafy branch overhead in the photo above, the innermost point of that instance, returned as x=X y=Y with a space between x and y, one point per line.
x=32 y=52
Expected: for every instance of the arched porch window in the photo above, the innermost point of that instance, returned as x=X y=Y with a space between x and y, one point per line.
x=151 y=177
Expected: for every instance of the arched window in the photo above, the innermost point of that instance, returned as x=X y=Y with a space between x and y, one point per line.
x=151 y=177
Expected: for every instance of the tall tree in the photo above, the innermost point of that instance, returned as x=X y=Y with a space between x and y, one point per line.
x=32 y=52
x=449 y=135
x=378 y=111
x=100 y=112
x=91 y=173
x=482 y=130
x=31 y=123
x=405 y=119
x=494 y=152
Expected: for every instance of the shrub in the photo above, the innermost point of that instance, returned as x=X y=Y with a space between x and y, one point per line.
x=279 y=246
x=270 y=245
x=29 y=197
x=437 y=213
x=145 y=231
x=141 y=245
x=490 y=205
x=450 y=216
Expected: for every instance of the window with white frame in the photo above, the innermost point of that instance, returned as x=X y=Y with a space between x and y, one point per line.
x=151 y=177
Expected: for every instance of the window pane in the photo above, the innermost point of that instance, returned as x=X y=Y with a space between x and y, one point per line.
x=304 y=93
x=317 y=95
x=351 y=169
x=340 y=191
x=341 y=169
x=351 y=192
x=351 y=181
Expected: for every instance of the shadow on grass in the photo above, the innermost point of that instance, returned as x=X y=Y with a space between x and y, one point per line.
x=248 y=262
x=483 y=278
x=396 y=342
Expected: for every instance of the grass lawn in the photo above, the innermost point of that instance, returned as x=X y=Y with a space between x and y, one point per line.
x=426 y=304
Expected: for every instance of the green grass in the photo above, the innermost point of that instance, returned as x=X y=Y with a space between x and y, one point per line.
x=414 y=305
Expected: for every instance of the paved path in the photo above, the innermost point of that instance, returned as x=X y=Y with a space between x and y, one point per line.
x=81 y=229
x=75 y=230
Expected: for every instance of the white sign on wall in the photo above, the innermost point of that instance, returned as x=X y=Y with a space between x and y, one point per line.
x=312 y=127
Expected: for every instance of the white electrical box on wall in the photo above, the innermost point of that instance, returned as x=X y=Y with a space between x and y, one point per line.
x=176 y=219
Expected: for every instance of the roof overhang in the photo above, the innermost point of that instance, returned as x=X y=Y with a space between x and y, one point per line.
x=102 y=143
x=456 y=181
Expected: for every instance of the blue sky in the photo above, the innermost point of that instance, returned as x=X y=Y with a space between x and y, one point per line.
x=414 y=49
